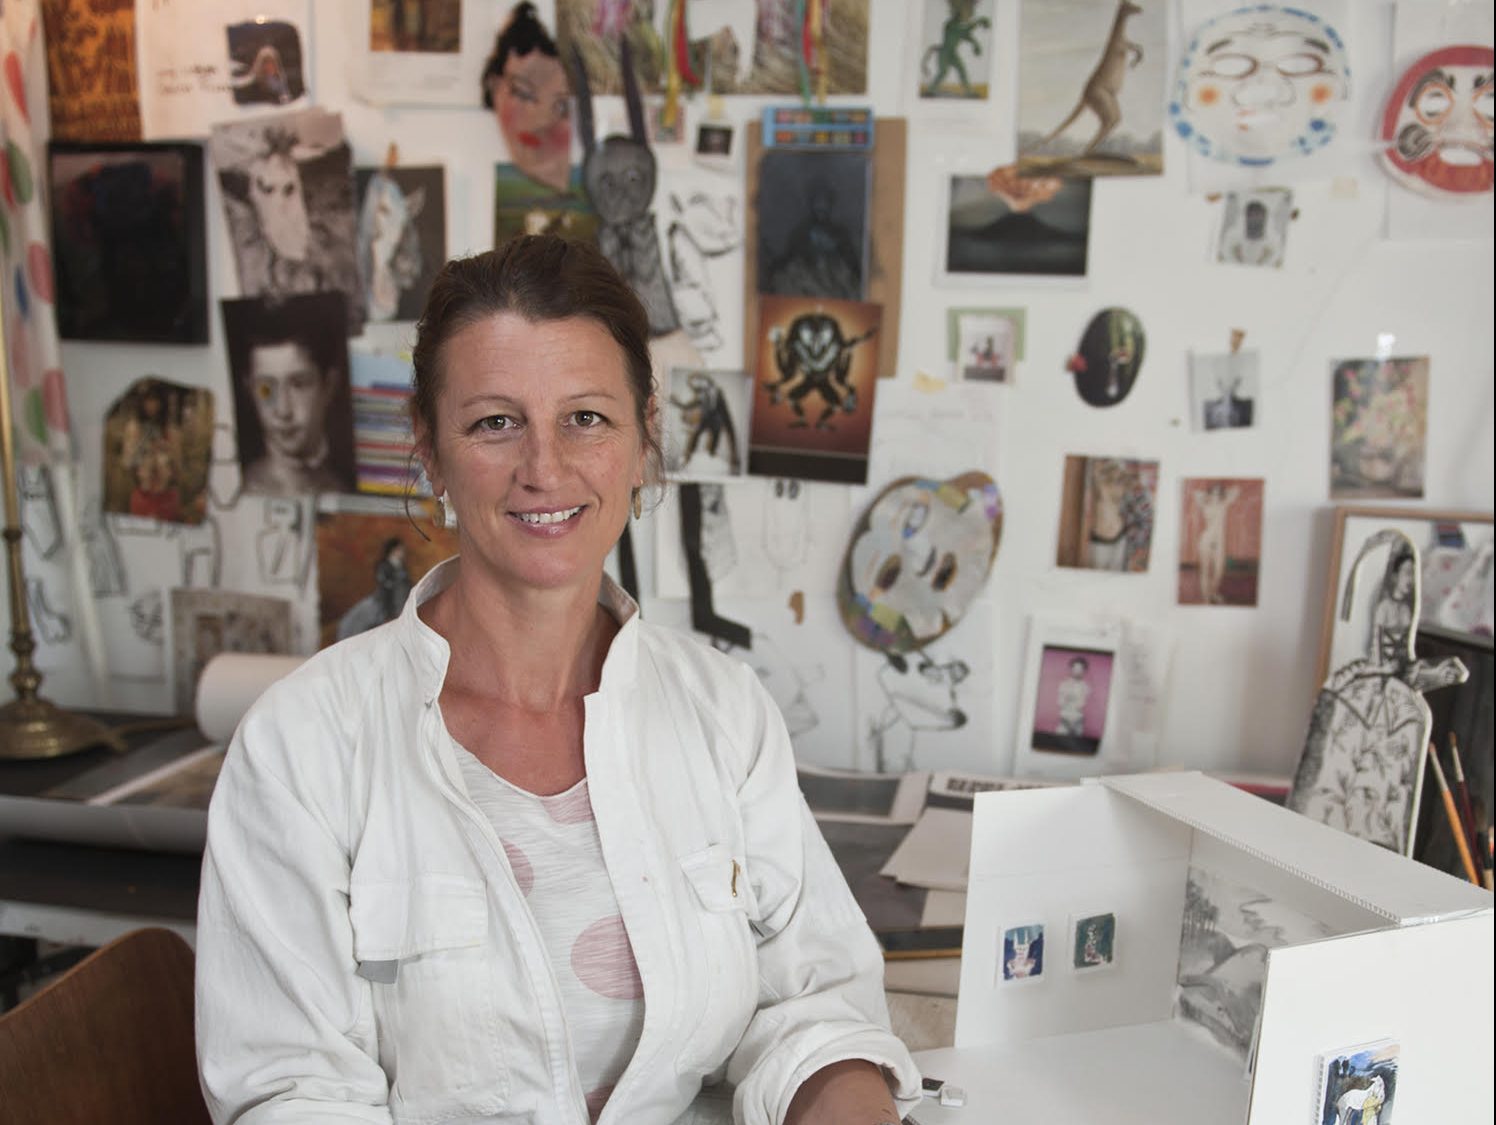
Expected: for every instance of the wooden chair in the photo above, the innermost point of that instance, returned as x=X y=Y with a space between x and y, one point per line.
x=108 y=1043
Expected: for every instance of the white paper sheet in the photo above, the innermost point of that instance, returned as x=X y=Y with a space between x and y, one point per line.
x=936 y=853
x=423 y=78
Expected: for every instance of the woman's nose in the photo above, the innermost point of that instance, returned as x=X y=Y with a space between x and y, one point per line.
x=541 y=463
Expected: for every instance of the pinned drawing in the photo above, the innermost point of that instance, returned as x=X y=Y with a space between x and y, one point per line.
x=283 y=546
x=1437 y=126
x=1261 y=86
x=1106 y=514
x=265 y=62
x=1106 y=363
x=157 y=444
x=40 y=520
x=1358 y=1085
x=704 y=423
x=287 y=183
x=1254 y=227
x=956 y=49
x=1362 y=765
x=786 y=527
x=1226 y=932
x=1220 y=541
x=402 y=238
x=51 y=624
x=1224 y=390
x=1379 y=428
x=1092 y=81
x=106 y=565
x=703 y=231
x=1093 y=942
x=1023 y=952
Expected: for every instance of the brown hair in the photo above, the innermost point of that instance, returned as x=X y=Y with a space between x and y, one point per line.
x=539 y=277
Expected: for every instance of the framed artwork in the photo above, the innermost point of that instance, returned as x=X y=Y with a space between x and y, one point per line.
x=129 y=242
x=1456 y=570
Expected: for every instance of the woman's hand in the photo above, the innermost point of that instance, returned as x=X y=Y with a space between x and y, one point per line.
x=851 y=1092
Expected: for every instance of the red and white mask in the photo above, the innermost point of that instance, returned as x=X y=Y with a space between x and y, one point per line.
x=1437 y=124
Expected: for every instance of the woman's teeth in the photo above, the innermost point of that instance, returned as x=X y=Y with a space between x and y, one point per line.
x=548 y=517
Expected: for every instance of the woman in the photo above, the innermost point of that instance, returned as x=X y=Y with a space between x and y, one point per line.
x=517 y=855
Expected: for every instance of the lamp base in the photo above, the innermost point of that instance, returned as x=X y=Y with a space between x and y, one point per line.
x=37 y=728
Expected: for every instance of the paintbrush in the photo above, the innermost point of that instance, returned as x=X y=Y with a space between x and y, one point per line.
x=1467 y=811
x=1454 y=817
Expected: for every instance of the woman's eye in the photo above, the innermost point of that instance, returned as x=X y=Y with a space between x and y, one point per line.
x=495 y=422
x=587 y=418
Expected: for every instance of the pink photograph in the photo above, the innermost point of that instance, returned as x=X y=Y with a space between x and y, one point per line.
x=1071 y=700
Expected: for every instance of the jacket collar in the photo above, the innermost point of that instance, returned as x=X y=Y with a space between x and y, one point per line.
x=431 y=654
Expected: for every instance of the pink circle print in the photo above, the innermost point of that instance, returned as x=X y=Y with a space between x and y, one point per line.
x=519 y=863
x=603 y=960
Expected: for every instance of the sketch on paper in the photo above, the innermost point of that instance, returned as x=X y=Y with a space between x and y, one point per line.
x=705 y=434
x=1436 y=129
x=51 y=624
x=742 y=46
x=366 y=566
x=148 y=617
x=1071 y=699
x=1224 y=390
x=1225 y=934
x=402 y=238
x=955 y=49
x=158 y=439
x=427 y=26
x=199 y=552
x=1254 y=227
x=265 y=62
x=1023 y=952
x=1110 y=354
x=207 y=622
x=283 y=546
x=920 y=695
x=814 y=215
x=786 y=526
x=1091 y=88
x=1379 y=429
x=40 y=520
x=287 y=181
x=703 y=239
x=1362 y=765
x=1357 y=1085
x=1220 y=541
x=1264 y=54
x=106 y=566
x=1042 y=228
x=1093 y=942
x=1106 y=514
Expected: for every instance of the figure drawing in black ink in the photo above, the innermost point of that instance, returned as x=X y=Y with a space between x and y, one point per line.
x=959 y=27
x=619 y=175
x=819 y=258
x=813 y=355
x=707 y=416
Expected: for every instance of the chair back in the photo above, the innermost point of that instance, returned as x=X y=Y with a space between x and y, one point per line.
x=109 y=1042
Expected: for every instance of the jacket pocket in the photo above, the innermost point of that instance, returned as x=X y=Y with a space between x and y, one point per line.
x=425 y=944
x=723 y=957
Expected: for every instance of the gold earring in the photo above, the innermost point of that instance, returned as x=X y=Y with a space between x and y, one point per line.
x=638 y=504
x=439 y=515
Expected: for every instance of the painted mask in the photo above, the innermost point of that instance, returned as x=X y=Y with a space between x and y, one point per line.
x=527 y=88
x=918 y=558
x=1437 y=124
x=1259 y=85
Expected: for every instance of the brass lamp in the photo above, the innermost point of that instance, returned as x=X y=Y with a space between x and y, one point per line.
x=30 y=726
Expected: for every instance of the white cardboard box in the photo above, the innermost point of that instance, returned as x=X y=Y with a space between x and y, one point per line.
x=1363 y=945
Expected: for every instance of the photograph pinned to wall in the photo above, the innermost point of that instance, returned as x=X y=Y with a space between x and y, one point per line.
x=986 y=347
x=1040 y=227
x=526 y=86
x=288 y=365
x=207 y=62
x=158 y=440
x=91 y=87
x=1110 y=354
x=1091 y=88
x=1358 y=1083
x=1107 y=514
x=814 y=388
x=1224 y=389
x=954 y=45
x=1288 y=57
x=451 y=77
x=425 y=27
x=714 y=139
x=203 y=623
x=129 y=246
x=367 y=564
x=706 y=423
x=1072 y=705
x=1022 y=954
x=287 y=182
x=1379 y=428
x=701 y=220
x=957 y=318
x=1435 y=135
x=748 y=48
x=523 y=206
x=402 y=238
x=1220 y=540
x=383 y=444
x=1254 y=227
x=1226 y=931
x=814 y=215
x=1093 y=942
x=1071 y=700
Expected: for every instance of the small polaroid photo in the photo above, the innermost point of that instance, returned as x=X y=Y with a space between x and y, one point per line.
x=706 y=423
x=1093 y=942
x=1254 y=227
x=986 y=348
x=714 y=139
x=659 y=132
x=1022 y=959
x=1223 y=391
x=1358 y=1083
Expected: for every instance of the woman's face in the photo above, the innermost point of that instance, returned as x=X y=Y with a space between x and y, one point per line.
x=537 y=447
x=532 y=102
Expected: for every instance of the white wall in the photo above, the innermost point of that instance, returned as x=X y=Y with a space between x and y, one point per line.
x=1241 y=683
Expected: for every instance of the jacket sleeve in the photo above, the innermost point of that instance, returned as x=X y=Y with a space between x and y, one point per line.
x=285 y=1028
x=821 y=994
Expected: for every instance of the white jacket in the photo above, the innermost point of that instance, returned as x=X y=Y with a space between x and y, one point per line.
x=365 y=954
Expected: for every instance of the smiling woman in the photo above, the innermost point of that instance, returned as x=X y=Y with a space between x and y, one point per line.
x=419 y=812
